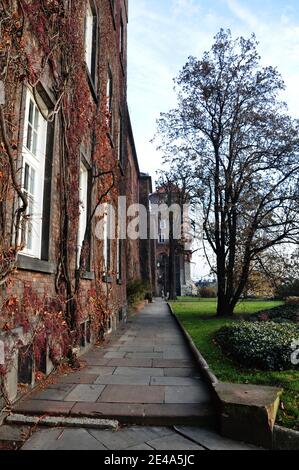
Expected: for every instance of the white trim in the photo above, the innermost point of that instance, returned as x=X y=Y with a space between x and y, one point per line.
x=89 y=22
x=33 y=172
x=83 y=196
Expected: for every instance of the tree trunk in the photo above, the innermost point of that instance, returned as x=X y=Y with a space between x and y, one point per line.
x=224 y=307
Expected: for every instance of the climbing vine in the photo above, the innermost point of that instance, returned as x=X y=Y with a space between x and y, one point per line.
x=42 y=39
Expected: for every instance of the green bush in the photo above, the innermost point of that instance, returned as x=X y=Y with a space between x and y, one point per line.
x=281 y=314
x=208 y=292
x=137 y=290
x=261 y=345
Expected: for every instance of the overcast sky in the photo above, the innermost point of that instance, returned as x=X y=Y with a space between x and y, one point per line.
x=163 y=33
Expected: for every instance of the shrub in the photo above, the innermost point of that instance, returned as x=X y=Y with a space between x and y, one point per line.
x=280 y=314
x=208 y=292
x=137 y=290
x=261 y=345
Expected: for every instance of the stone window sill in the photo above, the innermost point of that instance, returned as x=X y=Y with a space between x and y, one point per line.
x=26 y=263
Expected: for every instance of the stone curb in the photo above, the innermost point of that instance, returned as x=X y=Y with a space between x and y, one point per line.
x=283 y=438
x=57 y=421
x=208 y=374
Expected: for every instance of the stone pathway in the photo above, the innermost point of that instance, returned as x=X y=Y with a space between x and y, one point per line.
x=131 y=439
x=146 y=375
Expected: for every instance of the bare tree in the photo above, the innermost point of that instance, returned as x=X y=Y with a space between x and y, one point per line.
x=245 y=148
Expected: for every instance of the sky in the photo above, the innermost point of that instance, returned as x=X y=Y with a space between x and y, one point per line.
x=163 y=33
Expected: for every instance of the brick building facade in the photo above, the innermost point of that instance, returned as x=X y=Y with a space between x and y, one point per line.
x=61 y=228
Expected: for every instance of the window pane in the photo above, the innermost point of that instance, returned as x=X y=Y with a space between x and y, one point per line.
x=29 y=137
x=36 y=119
x=34 y=142
x=26 y=177
x=89 y=20
x=31 y=109
x=32 y=181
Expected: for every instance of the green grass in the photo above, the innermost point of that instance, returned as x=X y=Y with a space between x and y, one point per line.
x=198 y=317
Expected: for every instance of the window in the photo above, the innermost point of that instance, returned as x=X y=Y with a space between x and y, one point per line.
x=90 y=40
x=162 y=238
x=163 y=227
x=33 y=175
x=122 y=38
x=83 y=189
x=107 y=240
x=120 y=139
x=119 y=260
x=163 y=224
x=110 y=100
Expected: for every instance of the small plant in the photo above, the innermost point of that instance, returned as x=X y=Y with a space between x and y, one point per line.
x=208 y=292
x=261 y=345
x=137 y=290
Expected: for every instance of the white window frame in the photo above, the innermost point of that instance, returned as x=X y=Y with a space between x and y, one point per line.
x=89 y=36
x=109 y=98
x=83 y=196
x=119 y=138
x=34 y=159
x=119 y=259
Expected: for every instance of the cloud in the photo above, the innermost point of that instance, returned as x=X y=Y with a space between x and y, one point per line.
x=162 y=34
x=243 y=13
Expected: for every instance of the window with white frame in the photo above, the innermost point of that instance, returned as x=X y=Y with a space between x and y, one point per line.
x=83 y=194
x=119 y=259
x=106 y=240
x=110 y=100
x=90 y=39
x=33 y=174
x=162 y=234
x=120 y=139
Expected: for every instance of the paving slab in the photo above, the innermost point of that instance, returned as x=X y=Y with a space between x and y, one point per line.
x=143 y=371
x=79 y=379
x=95 y=370
x=132 y=394
x=85 y=393
x=56 y=392
x=45 y=407
x=173 y=363
x=180 y=372
x=123 y=380
x=140 y=447
x=129 y=437
x=191 y=394
x=211 y=440
x=175 y=381
x=173 y=442
x=68 y=439
x=184 y=413
x=96 y=361
x=130 y=362
x=123 y=412
x=115 y=355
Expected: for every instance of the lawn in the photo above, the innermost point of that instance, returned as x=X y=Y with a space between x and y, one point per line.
x=198 y=318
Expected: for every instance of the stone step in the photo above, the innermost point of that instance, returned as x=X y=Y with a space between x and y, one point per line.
x=126 y=414
x=62 y=421
x=13 y=437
